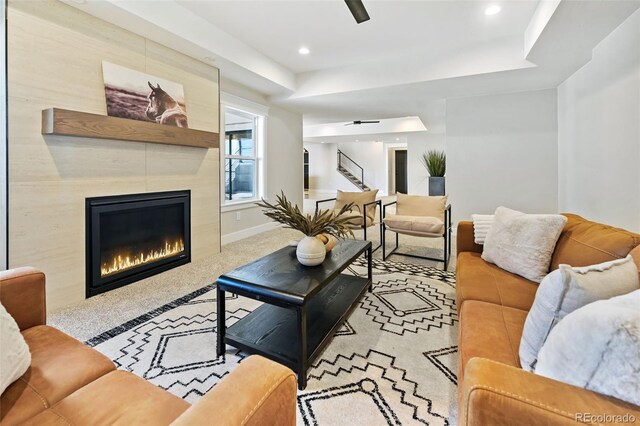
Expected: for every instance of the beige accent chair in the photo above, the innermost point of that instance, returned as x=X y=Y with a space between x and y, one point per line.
x=418 y=216
x=363 y=212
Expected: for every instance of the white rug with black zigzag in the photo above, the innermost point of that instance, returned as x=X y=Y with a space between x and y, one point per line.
x=393 y=362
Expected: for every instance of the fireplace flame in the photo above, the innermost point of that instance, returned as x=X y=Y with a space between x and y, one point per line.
x=121 y=262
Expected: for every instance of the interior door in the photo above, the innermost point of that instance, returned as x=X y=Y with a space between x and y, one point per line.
x=306 y=170
x=401 y=171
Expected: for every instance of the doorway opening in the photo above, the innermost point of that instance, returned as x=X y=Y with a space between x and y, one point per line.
x=397 y=169
x=306 y=172
x=400 y=171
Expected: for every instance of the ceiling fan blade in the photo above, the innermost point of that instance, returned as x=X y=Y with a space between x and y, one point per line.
x=357 y=10
x=362 y=122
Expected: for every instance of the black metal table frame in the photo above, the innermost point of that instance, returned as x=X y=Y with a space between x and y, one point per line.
x=304 y=359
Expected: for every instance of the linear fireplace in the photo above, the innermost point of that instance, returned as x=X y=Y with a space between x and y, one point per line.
x=130 y=237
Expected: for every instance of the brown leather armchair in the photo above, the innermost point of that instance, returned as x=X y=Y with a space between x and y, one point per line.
x=71 y=383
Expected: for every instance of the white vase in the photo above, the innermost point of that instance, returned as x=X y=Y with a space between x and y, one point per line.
x=310 y=251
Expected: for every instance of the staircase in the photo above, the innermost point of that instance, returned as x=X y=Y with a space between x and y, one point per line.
x=352 y=171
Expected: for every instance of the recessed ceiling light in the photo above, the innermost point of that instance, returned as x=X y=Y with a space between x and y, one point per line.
x=397 y=139
x=304 y=50
x=357 y=140
x=492 y=10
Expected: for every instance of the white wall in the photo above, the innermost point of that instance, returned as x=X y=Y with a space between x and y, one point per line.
x=323 y=161
x=599 y=132
x=371 y=156
x=284 y=166
x=502 y=150
x=3 y=144
x=323 y=176
x=432 y=115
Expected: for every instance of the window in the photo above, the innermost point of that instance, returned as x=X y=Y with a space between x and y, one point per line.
x=242 y=155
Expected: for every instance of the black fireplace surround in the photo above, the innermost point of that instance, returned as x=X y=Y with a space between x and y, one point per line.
x=131 y=237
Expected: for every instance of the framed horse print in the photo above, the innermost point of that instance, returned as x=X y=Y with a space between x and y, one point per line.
x=139 y=96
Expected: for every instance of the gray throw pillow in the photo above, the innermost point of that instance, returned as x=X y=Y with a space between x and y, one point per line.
x=597 y=347
x=567 y=289
x=523 y=243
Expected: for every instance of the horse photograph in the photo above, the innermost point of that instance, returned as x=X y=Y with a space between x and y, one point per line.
x=139 y=96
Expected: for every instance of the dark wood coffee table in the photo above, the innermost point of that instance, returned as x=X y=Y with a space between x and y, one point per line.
x=303 y=305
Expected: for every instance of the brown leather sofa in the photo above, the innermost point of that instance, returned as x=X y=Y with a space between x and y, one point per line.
x=493 y=304
x=71 y=383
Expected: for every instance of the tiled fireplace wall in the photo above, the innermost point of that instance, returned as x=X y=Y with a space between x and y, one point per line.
x=55 y=55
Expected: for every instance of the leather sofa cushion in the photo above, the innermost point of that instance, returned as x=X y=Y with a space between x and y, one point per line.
x=234 y=400
x=60 y=365
x=483 y=281
x=584 y=243
x=117 y=398
x=23 y=296
x=489 y=331
x=415 y=224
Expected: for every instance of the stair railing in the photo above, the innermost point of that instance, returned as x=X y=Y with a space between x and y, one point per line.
x=344 y=161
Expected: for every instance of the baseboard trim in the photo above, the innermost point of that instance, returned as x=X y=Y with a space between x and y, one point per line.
x=249 y=232
x=381 y=193
x=323 y=191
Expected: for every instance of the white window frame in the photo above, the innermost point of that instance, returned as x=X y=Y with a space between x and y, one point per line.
x=228 y=100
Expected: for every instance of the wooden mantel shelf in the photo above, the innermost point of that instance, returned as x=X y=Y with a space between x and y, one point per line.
x=57 y=121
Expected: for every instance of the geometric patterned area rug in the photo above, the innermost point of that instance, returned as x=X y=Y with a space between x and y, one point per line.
x=393 y=362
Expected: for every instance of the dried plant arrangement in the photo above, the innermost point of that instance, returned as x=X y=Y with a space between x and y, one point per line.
x=322 y=221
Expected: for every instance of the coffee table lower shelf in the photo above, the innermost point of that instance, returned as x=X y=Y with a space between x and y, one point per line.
x=275 y=332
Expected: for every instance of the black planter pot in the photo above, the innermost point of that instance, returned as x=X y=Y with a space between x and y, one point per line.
x=436 y=185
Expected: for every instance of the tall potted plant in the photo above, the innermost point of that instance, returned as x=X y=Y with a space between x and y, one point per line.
x=321 y=230
x=436 y=164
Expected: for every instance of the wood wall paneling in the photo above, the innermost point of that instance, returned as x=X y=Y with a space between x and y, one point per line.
x=55 y=60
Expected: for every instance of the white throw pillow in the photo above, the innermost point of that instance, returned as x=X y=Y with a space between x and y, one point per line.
x=15 y=357
x=567 y=289
x=597 y=347
x=523 y=243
